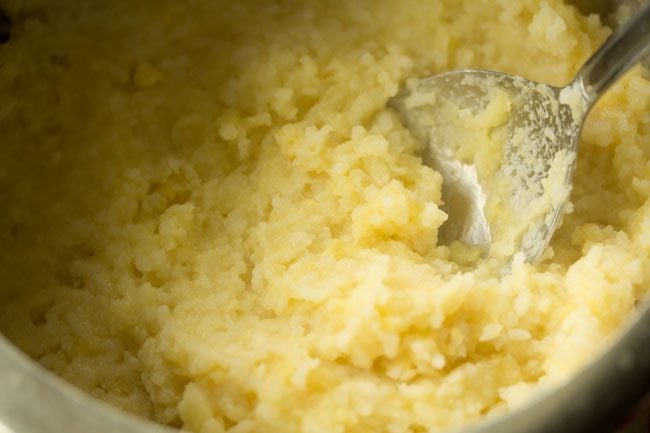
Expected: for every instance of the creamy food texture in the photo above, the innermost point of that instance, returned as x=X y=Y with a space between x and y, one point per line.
x=213 y=220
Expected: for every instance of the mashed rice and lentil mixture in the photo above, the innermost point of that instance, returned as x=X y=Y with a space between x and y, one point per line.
x=211 y=219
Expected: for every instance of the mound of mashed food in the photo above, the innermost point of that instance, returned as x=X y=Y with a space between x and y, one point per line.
x=211 y=219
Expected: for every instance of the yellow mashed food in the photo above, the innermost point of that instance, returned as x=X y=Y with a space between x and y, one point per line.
x=211 y=219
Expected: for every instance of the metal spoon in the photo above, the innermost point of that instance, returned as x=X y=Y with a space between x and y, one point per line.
x=540 y=140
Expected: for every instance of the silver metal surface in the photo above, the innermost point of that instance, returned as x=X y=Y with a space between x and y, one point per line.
x=539 y=157
x=32 y=400
x=539 y=129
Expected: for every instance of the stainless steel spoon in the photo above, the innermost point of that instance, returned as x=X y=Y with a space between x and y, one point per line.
x=540 y=140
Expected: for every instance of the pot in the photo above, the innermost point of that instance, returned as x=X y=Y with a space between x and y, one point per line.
x=32 y=400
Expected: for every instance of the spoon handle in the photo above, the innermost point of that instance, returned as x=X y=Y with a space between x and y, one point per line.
x=620 y=52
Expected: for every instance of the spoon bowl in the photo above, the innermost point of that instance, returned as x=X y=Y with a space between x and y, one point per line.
x=506 y=147
x=537 y=156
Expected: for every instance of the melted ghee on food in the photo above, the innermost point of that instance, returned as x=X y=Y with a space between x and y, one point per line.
x=211 y=219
